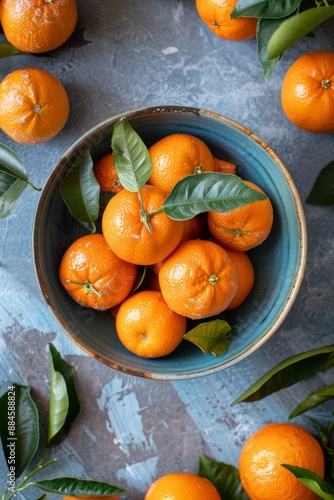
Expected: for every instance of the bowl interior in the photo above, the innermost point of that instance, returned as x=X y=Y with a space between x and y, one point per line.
x=274 y=291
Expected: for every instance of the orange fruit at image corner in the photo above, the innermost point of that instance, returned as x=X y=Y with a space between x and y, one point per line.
x=93 y=275
x=216 y=14
x=126 y=233
x=110 y=497
x=182 y=486
x=147 y=326
x=261 y=473
x=198 y=279
x=38 y=26
x=34 y=106
x=307 y=93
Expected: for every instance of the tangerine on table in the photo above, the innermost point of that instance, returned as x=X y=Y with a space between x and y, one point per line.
x=176 y=156
x=93 y=275
x=244 y=227
x=34 y=105
x=37 y=25
x=106 y=174
x=198 y=279
x=216 y=14
x=127 y=234
x=147 y=326
x=261 y=473
x=307 y=93
x=182 y=486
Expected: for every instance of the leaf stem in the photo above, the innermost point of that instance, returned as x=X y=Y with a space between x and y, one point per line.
x=24 y=483
x=144 y=216
x=88 y=287
x=33 y=186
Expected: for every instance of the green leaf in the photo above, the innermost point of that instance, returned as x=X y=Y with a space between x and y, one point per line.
x=81 y=488
x=265 y=8
x=211 y=336
x=10 y=191
x=67 y=372
x=312 y=481
x=199 y=193
x=19 y=427
x=288 y=372
x=11 y=164
x=7 y=50
x=314 y=399
x=43 y=497
x=59 y=402
x=322 y=192
x=295 y=28
x=132 y=160
x=225 y=478
x=81 y=191
x=264 y=30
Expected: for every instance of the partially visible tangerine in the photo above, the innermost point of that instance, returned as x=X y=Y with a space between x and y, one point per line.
x=147 y=326
x=182 y=486
x=193 y=228
x=198 y=279
x=216 y=14
x=225 y=167
x=106 y=174
x=245 y=276
x=244 y=227
x=176 y=156
x=126 y=233
x=93 y=275
x=38 y=25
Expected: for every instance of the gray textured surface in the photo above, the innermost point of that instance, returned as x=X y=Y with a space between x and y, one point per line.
x=159 y=53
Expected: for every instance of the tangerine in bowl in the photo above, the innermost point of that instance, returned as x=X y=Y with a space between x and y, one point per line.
x=161 y=280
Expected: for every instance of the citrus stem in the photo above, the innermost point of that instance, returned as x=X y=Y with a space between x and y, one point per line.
x=325 y=84
x=88 y=287
x=33 y=186
x=144 y=216
x=237 y=232
x=213 y=279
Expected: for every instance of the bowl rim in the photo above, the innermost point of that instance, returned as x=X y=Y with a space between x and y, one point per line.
x=300 y=214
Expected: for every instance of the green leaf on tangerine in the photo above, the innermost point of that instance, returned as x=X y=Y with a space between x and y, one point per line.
x=81 y=488
x=81 y=191
x=211 y=336
x=295 y=28
x=199 y=193
x=265 y=9
x=313 y=481
x=322 y=192
x=19 y=427
x=132 y=160
x=67 y=372
x=225 y=477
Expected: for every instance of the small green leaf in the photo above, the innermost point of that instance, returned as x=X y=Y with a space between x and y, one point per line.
x=10 y=191
x=81 y=488
x=322 y=192
x=266 y=9
x=313 y=481
x=288 y=372
x=225 y=477
x=59 y=402
x=11 y=164
x=211 y=336
x=43 y=497
x=295 y=28
x=19 y=427
x=264 y=30
x=67 y=371
x=7 y=50
x=81 y=191
x=132 y=160
x=314 y=399
x=199 y=193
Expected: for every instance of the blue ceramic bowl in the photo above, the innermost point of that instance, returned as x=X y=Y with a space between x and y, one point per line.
x=274 y=292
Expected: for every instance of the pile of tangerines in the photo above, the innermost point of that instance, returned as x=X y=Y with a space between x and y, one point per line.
x=194 y=269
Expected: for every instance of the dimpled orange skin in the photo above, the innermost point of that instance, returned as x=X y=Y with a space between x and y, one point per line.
x=176 y=156
x=216 y=14
x=182 y=486
x=245 y=275
x=147 y=326
x=38 y=26
x=106 y=174
x=307 y=93
x=34 y=106
x=127 y=235
x=89 y=259
x=245 y=227
x=260 y=461
x=198 y=279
